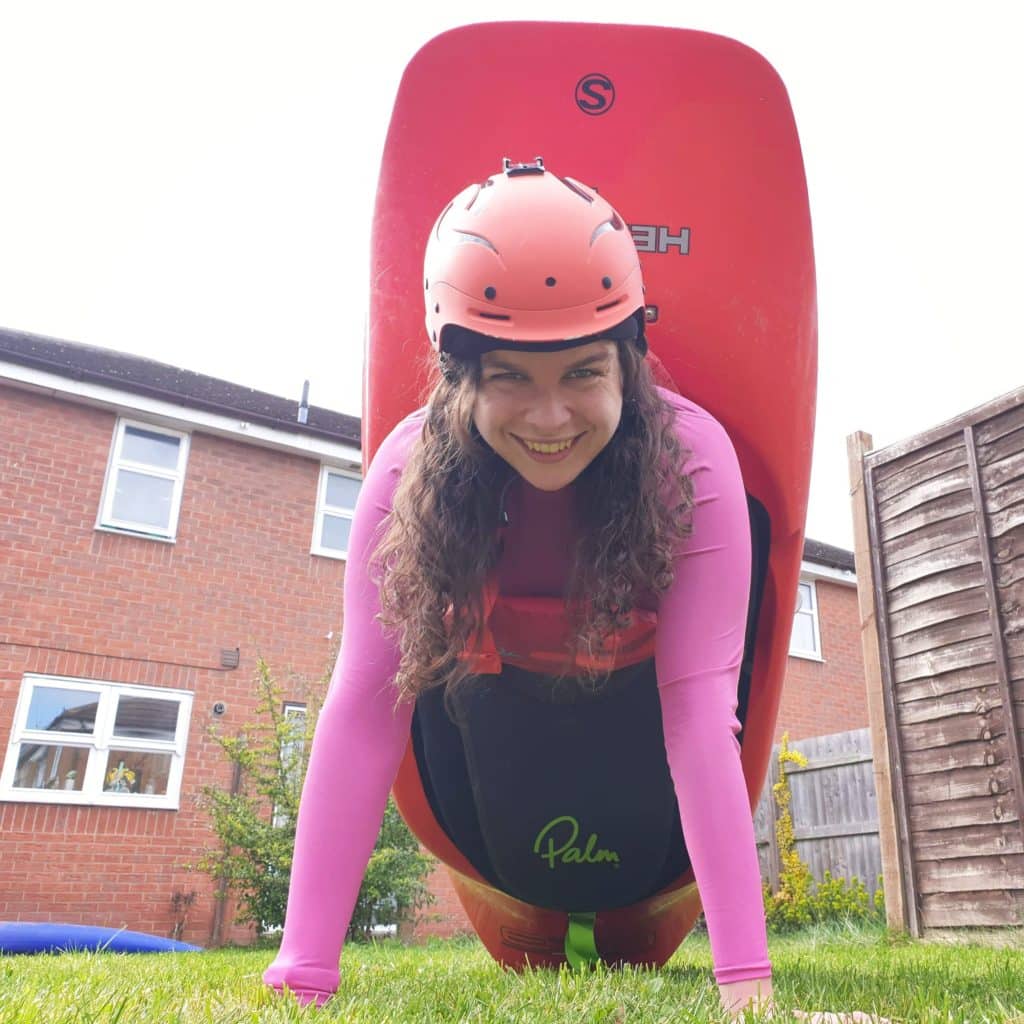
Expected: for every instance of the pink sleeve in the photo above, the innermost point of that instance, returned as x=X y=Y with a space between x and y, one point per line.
x=356 y=751
x=701 y=626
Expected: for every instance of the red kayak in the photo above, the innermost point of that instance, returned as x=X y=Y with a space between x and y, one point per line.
x=691 y=137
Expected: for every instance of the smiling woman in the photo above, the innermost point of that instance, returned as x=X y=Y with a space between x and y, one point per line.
x=552 y=557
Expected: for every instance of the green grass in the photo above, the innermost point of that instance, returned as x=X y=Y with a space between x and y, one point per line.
x=839 y=968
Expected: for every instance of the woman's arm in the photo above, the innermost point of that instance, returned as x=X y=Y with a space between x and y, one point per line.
x=356 y=751
x=701 y=631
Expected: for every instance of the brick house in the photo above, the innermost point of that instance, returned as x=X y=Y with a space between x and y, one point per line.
x=160 y=529
x=824 y=687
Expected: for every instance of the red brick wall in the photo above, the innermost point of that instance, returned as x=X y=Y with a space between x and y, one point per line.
x=822 y=697
x=443 y=918
x=144 y=611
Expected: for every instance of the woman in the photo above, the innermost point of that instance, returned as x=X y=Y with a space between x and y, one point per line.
x=545 y=463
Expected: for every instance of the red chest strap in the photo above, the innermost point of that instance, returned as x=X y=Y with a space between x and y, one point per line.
x=533 y=633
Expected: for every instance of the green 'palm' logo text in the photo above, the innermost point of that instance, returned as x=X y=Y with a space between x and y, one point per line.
x=569 y=828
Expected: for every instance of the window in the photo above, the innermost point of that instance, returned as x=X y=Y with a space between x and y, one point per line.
x=805 y=641
x=79 y=741
x=292 y=750
x=142 y=492
x=336 y=502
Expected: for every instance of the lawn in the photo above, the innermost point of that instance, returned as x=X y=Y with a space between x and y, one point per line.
x=833 y=968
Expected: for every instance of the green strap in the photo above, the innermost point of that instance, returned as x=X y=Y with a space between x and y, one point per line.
x=580 y=948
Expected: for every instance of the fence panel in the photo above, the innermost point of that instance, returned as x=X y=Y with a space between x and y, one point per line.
x=946 y=527
x=835 y=817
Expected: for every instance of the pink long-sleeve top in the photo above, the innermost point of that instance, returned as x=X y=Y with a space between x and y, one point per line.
x=360 y=736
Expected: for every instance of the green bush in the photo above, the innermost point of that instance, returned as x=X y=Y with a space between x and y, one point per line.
x=255 y=824
x=394 y=882
x=799 y=900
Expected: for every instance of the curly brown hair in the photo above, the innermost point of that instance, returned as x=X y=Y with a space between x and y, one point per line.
x=440 y=540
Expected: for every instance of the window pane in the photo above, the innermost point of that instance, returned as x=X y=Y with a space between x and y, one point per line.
x=803 y=597
x=296 y=720
x=61 y=710
x=47 y=766
x=293 y=744
x=341 y=490
x=150 y=448
x=136 y=771
x=803 y=633
x=335 y=532
x=143 y=499
x=146 y=718
x=292 y=748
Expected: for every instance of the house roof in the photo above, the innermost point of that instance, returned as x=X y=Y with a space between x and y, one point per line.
x=827 y=554
x=196 y=390
x=161 y=380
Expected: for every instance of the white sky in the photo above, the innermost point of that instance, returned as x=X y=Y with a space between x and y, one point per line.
x=193 y=182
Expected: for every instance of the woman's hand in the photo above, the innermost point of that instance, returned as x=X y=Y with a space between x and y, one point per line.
x=756 y=995
x=823 y=1017
x=736 y=996
x=768 y=1012
x=305 y=996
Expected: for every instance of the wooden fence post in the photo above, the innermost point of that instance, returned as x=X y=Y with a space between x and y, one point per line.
x=892 y=873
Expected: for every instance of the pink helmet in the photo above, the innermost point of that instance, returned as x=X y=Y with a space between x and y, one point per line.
x=528 y=256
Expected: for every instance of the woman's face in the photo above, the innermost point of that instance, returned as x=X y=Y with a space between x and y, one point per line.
x=549 y=414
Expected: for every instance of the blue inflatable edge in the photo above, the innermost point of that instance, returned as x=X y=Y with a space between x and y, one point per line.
x=37 y=937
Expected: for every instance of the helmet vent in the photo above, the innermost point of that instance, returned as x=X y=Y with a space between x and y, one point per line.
x=608 y=305
x=573 y=187
x=492 y=316
x=473 y=198
x=604 y=227
x=440 y=220
x=467 y=237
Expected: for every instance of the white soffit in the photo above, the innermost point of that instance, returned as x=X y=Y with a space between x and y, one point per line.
x=816 y=571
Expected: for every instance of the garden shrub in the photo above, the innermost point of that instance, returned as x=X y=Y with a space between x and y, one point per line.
x=255 y=826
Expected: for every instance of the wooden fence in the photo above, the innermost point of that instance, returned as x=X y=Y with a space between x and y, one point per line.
x=835 y=817
x=939 y=522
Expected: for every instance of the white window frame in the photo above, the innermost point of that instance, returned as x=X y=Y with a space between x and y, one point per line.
x=797 y=652
x=98 y=744
x=106 y=519
x=335 y=510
